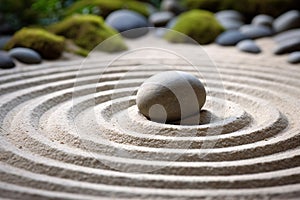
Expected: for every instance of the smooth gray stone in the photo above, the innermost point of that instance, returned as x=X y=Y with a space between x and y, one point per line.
x=287 y=35
x=288 y=46
x=172 y=6
x=229 y=14
x=230 y=38
x=286 y=21
x=230 y=23
x=25 y=55
x=254 y=32
x=170 y=96
x=248 y=46
x=160 y=18
x=4 y=40
x=294 y=57
x=125 y=20
x=263 y=20
x=5 y=61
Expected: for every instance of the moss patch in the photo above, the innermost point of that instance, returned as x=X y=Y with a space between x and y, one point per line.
x=87 y=31
x=198 y=24
x=105 y=7
x=48 y=45
x=249 y=8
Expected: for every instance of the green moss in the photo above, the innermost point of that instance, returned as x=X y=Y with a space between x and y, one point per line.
x=249 y=8
x=198 y=24
x=87 y=31
x=50 y=46
x=105 y=7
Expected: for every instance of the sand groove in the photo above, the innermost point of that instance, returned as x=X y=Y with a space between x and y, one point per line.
x=58 y=145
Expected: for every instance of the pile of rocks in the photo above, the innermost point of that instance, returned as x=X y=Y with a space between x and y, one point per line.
x=285 y=30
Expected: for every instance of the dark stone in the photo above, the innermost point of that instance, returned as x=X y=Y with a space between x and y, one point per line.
x=160 y=18
x=286 y=21
x=4 y=40
x=5 y=61
x=287 y=35
x=172 y=6
x=125 y=20
x=288 y=46
x=248 y=46
x=294 y=57
x=229 y=14
x=25 y=55
x=230 y=38
x=263 y=20
x=254 y=32
x=230 y=23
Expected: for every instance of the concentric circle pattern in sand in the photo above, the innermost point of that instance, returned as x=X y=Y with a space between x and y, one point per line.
x=252 y=150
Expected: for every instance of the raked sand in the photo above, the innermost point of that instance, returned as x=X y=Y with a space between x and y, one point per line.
x=70 y=129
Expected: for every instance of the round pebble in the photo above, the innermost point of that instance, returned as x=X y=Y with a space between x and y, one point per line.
x=229 y=24
x=170 y=96
x=287 y=35
x=254 y=32
x=172 y=6
x=124 y=20
x=5 y=61
x=294 y=57
x=248 y=46
x=230 y=38
x=160 y=18
x=286 y=21
x=288 y=46
x=25 y=55
x=263 y=20
x=229 y=14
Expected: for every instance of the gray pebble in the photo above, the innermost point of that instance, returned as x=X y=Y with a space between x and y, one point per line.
x=160 y=18
x=294 y=57
x=248 y=46
x=5 y=61
x=286 y=21
x=263 y=20
x=254 y=32
x=230 y=38
x=288 y=46
x=25 y=55
x=170 y=96
x=125 y=20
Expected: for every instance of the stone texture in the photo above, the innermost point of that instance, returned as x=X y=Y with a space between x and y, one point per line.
x=229 y=24
x=248 y=46
x=25 y=55
x=172 y=6
x=286 y=21
x=229 y=14
x=170 y=96
x=230 y=38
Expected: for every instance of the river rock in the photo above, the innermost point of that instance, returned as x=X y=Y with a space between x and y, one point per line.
x=287 y=35
x=5 y=61
x=172 y=6
x=248 y=46
x=294 y=57
x=160 y=18
x=263 y=20
x=170 y=96
x=288 y=46
x=229 y=24
x=253 y=31
x=125 y=20
x=25 y=55
x=229 y=14
x=286 y=21
x=230 y=38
